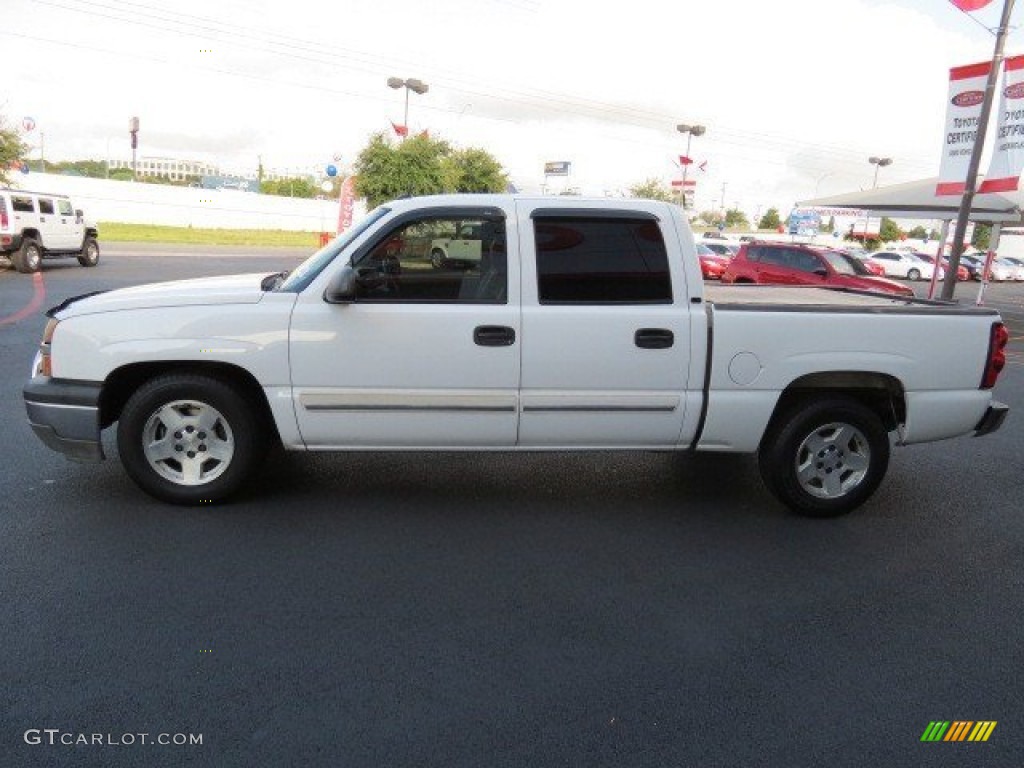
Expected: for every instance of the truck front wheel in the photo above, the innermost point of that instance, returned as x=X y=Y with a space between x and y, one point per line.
x=437 y=259
x=189 y=438
x=90 y=254
x=824 y=457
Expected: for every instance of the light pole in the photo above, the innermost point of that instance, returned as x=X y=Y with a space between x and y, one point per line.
x=878 y=162
x=690 y=131
x=411 y=84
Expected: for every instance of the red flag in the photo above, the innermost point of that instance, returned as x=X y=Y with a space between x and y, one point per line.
x=970 y=5
x=400 y=130
x=684 y=160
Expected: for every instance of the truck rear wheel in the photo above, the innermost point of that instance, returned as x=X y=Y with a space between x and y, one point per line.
x=29 y=257
x=437 y=259
x=189 y=438
x=90 y=255
x=824 y=457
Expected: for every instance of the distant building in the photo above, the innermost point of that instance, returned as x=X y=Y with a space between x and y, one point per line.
x=175 y=170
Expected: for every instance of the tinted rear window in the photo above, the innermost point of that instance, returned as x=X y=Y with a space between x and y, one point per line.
x=594 y=260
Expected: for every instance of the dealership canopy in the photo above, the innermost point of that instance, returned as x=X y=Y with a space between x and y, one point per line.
x=917 y=200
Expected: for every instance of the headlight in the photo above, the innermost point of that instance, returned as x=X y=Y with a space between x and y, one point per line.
x=43 y=364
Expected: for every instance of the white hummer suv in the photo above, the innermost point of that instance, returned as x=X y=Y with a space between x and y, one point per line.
x=34 y=226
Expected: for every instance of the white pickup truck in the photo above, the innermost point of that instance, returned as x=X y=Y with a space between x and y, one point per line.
x=584 y=325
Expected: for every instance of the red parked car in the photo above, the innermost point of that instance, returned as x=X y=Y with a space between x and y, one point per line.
x=712 y=264
x=797 y=264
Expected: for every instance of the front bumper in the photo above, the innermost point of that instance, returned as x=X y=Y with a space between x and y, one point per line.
x=65 y=415
x=992 y=420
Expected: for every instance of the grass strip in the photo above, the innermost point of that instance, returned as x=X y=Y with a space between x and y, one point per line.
x=113 y=232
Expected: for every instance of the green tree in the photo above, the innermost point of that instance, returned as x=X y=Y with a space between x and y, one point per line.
x=297 y=186
x=888 y=231
x=711 y=218
x=770 y=220
x=918 y=233
x=422 y=165
x=473 y=170
x=734 y=217
x=653 y=189
x=981 y=236
x=12 y=150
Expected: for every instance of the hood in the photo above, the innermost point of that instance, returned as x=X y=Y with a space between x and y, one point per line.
x=873 y=283
x=231 y=289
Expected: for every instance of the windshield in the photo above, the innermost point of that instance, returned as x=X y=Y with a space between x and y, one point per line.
x=843 y=264
x=307 y=271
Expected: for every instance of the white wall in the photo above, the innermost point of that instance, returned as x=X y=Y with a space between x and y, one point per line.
x=138 y=203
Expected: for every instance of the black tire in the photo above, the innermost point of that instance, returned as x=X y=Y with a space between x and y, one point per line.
x=913 y=274
x=841 y=446
x=28 y=258
x=211 y=466
x=437 y=259
x=90 y=255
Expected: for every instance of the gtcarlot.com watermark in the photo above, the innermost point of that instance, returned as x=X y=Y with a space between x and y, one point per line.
x=56 y=737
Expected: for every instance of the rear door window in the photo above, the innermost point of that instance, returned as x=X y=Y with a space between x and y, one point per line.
x=45 y=205
x=594 y=259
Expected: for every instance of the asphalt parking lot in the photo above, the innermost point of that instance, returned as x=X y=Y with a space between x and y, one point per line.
x=493 y=610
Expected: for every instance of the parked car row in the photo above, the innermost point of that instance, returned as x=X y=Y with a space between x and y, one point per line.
x=800 y=264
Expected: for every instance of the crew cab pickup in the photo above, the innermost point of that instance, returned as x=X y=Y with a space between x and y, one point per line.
x=584 y=325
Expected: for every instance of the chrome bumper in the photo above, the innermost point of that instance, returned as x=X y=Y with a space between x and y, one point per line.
x=992 y=420
x=65 y=415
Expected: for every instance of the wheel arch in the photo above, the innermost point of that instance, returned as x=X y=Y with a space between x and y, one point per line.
x=881 y=392
x=122 y=382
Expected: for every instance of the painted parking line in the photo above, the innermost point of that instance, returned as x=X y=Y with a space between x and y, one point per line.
x=38 y=297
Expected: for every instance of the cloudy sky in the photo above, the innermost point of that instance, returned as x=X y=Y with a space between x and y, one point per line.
x=795 y=94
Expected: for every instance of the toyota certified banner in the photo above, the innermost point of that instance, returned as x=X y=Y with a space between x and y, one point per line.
x=963 y=109
x=1008 y=152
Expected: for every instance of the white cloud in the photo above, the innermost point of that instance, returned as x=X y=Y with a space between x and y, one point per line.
x=795 y=94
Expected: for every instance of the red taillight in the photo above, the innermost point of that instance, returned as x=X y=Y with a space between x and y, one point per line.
x=997 y=340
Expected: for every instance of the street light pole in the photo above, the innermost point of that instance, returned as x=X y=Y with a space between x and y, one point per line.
x=690 y=131
x=410 y=84
x=878 y=162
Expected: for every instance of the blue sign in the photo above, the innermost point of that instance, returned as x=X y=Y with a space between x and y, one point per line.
x=804 y=222
x=332 y=170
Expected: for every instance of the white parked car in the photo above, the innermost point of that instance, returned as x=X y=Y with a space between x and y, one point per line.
x=36 y=226
x=905 y=264
x=1015 y=267
x=1001 y=270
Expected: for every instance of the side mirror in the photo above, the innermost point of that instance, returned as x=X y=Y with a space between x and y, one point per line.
x=823 y=273
x=343 y=287
x=79 y=213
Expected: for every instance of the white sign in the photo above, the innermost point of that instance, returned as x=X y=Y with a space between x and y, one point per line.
x=28 y=124
x=966 y=94
x=1008 y=153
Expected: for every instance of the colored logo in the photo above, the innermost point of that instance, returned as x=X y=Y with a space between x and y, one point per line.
x=958 y=730
x=1014 y=91
x=969 y=98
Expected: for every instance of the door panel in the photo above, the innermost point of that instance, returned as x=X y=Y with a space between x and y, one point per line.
x=403 y=366
x=588 y=377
